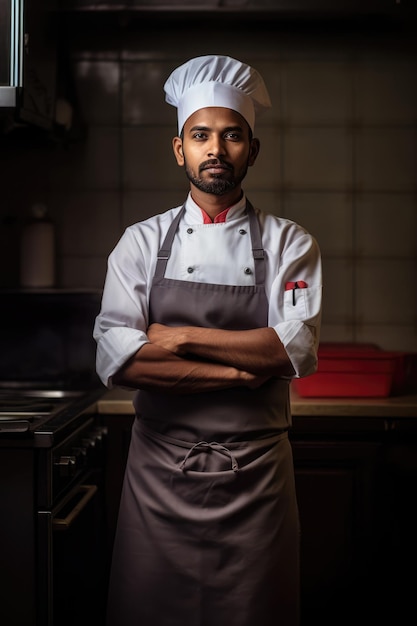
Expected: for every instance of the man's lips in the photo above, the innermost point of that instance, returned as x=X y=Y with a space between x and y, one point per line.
x=216 y=168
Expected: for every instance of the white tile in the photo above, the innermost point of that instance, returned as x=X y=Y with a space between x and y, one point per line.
x=271 y=72
x=92 y=44
x=143 y=94
x=317 y=44
x=384 y=92
x=316 y=93
x=337 y=292
x=178 y=44
x=267 y=201
x=98 y=86
x=266 y=171
x=148 y=159
x=394 y=337
x=91 y=164
x=317 y=158
x=327 y=216
x=87 y=223
x=386 y=291
x=337 y=333
x=386 y=225
x=385 y=159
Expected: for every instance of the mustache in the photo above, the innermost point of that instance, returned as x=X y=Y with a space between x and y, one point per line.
x=214 y=162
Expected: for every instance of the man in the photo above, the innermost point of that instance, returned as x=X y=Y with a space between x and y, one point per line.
x=208 y=311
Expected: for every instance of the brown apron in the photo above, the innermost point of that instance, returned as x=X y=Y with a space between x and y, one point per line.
x=208 y=530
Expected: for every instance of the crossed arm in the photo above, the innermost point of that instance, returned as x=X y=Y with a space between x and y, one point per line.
x=191 y=359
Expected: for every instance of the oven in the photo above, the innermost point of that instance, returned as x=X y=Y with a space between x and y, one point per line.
x=52 y=461
x=53 y=524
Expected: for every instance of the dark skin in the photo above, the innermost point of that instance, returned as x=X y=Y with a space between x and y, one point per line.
x=216 y=148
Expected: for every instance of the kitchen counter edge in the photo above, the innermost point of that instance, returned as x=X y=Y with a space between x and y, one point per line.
x=120 y=402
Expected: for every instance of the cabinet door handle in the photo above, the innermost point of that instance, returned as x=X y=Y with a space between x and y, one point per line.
x=85 y=493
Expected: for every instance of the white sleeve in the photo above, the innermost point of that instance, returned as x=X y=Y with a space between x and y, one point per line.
x=120 y=327
x=295 y=313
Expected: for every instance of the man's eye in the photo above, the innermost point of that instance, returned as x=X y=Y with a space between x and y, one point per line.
x=232 y=136
x=199 y=135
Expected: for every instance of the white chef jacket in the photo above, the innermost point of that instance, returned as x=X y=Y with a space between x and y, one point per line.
x=217 y=253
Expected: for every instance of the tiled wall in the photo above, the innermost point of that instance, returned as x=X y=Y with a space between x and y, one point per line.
x=338 y=155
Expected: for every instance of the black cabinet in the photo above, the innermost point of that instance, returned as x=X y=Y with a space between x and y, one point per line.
x=118 y=440
x=356 y=483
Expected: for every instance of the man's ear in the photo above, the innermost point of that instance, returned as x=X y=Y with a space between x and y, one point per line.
x=177 y=148
x=254 y=150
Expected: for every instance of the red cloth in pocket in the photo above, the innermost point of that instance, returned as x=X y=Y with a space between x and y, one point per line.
x=298 y=284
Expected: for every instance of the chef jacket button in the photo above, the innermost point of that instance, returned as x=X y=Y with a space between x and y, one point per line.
x=190 y=270
x=248 y=270
x=189 y=231
x=242 y=231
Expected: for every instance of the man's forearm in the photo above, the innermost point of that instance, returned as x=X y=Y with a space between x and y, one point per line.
x=258 y=351
x=154 y=368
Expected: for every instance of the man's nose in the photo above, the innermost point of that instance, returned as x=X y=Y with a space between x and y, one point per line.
x=216 y=146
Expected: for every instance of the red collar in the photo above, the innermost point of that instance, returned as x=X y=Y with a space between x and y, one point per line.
x=221 y=217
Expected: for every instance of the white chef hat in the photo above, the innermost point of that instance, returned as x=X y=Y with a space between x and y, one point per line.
x=216 y=81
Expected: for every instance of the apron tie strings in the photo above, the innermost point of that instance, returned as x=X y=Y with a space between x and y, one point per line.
x=213 y=445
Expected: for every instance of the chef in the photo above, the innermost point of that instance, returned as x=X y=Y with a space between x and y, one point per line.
x=208 y=311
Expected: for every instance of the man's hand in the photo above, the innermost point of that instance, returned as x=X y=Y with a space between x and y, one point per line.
x=190 y=359
x=258 y=351
x=168 y=337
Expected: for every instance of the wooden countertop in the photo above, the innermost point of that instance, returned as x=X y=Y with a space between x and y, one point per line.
x=119 y=402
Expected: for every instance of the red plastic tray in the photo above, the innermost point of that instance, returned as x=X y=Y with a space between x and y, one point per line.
x=353 y=371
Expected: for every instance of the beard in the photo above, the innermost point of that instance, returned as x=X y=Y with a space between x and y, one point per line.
x=218 y=185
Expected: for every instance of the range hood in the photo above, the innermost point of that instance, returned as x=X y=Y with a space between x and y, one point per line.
x=27 y=62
